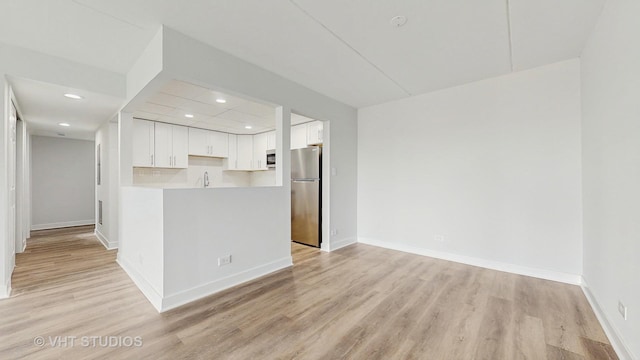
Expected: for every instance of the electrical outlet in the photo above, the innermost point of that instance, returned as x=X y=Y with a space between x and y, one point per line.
x=438 y=238
x=334 y=232
x=225 y=260
x=622 y=310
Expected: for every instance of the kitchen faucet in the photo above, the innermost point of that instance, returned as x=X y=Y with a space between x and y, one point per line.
x=206 y=179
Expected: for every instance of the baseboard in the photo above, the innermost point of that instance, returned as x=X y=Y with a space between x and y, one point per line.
x=172 y=301
x=105 y=242
x=612 y=333
x=484 y=263
x=335 y=245
x=62 y=224
x=141 y=282
x=5 y=289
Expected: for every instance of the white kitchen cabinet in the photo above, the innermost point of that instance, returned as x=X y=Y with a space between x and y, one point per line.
x=171 y=146
x=299 y=136
x=208 y=143
x=232 y=150
x=240 y=153
x=260 y=145
x=314 y=133
x=219 y=144
x=245 y=152
x=143 y=143
x=199 y=142
x=271 y=140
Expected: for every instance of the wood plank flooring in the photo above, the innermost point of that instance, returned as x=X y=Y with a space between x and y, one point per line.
x=360 y=302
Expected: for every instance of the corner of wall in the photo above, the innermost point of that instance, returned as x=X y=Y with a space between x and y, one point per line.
x=612 y=333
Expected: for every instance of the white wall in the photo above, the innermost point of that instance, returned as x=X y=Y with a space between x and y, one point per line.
x=107 y=192
x=202 y=225
x=141 y=248
x=172 y=239
x=63 y=182
x=611 y=175
x=493 y=166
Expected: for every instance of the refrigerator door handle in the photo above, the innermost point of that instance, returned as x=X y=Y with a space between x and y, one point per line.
x=305 y=180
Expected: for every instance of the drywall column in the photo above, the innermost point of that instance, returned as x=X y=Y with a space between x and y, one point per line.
x=125 y=162
x=283 y=144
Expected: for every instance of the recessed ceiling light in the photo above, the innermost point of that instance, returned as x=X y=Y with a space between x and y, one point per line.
x=221 y=101
x=64 y=124
x=398 y=21
x=188 y=116
x=73 y=96
x=248 y=127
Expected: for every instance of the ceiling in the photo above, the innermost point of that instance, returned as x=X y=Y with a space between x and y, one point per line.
x=347 y=50
x=177 y=99
x=44 y=106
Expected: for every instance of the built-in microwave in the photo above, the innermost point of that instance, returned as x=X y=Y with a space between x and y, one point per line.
x=271 y=158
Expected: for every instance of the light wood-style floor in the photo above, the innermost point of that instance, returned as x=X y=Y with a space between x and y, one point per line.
x=360 y=302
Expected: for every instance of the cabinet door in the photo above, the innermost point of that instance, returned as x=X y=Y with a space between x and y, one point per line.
x=180 y=146
x=232 y=159
x=199 y=142
x=314 y=133
x=271 y=140
x=245 y=152
x=163 y=147
x=260 y=151
x=143 y=147
x=219 y=143
x=299 y=136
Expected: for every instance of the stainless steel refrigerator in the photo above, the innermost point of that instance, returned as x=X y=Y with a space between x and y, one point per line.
x=306 y=195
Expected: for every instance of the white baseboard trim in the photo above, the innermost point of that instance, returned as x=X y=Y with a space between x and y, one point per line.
x=105 y=242
x=172 y=301
x=335 y=245
x=612 y=333
x=484 y=263
x=5 y=289
x=62 y=224
x=141 y=282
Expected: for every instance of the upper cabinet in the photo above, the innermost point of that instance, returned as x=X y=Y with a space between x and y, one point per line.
x=157 y=144
x=271 y=140
x=208 y=143
x=303 y=135
x=143 y=143
x=314 y=133
x=171 y=146
x=240 y=153
x=299 y=136
x=260 y=146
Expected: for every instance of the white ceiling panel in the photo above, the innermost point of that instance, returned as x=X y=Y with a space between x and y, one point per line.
x=443 y=43
x=178 y=98
x=67 y=29
x=347 y=50
x=548 y=31
x=44 y=106
x=273 y=34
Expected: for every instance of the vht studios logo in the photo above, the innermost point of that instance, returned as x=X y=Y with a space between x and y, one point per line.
x=88 y=341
